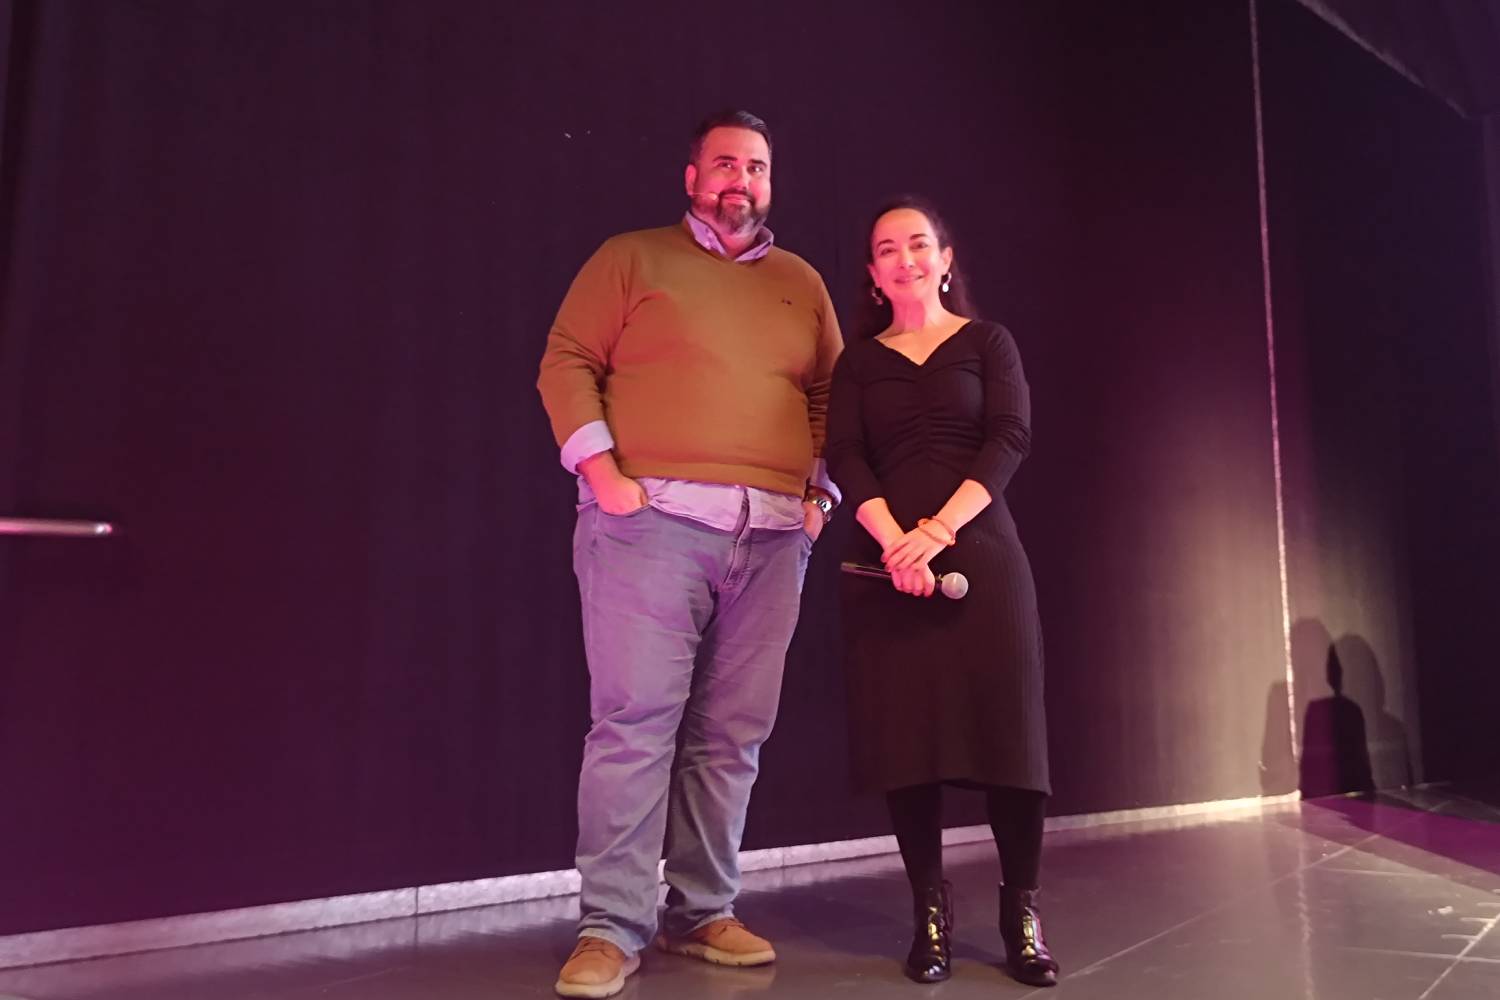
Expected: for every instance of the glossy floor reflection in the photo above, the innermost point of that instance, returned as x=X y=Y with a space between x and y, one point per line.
x=1395 y=899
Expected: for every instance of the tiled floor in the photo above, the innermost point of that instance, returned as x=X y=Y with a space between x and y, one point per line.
x=1331 y=900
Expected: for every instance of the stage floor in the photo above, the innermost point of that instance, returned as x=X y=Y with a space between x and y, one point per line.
x=1337 y=899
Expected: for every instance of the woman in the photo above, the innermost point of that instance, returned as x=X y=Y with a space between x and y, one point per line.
x=927 y=422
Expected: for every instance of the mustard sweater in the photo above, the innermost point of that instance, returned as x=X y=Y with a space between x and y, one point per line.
x=703 y=368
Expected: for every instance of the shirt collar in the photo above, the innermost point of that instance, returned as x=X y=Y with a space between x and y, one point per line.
x=709 y=240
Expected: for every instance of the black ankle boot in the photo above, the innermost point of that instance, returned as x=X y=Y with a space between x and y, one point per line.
x=931 y=956
x=1021 y=929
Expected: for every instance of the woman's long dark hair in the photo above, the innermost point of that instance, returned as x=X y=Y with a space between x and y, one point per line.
x=870 y=317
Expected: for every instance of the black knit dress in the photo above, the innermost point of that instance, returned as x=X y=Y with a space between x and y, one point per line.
x=939 y=690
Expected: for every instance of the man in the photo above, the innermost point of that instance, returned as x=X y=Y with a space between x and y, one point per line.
x=686 y=378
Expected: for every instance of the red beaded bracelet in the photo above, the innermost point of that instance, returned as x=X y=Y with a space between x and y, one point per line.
x=922 y=524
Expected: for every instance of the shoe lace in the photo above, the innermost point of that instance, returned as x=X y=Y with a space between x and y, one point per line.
x=726 y=924
x=589 y=943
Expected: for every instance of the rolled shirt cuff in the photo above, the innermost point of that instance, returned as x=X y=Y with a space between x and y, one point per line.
x=590 y=439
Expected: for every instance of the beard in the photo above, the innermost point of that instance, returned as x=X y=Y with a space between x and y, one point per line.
x=740 y=219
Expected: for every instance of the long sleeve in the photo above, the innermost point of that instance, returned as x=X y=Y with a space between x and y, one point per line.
x=830 y=346
x=845 y=450
x=579 y=345
x=1007 y=414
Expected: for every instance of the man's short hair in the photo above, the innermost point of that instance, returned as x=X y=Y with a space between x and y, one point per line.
x=726 y=119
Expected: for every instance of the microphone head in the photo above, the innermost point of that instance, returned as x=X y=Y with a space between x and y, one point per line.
x=954 y=585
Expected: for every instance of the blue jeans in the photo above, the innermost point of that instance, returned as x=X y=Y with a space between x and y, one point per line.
x=686 y=629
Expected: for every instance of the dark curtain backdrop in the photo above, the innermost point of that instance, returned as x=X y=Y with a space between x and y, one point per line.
x=1490 y=127
x=1392 y=480
x=276 y=281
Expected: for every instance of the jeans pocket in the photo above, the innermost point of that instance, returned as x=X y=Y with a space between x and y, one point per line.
x=629 y=513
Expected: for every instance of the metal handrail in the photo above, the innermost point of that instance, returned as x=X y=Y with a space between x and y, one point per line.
x=49 y=527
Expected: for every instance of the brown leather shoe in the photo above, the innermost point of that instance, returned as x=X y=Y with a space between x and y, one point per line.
x=595 y=969
x=724 y=942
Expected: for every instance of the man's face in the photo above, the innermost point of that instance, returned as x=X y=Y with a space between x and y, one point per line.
x=730 y=184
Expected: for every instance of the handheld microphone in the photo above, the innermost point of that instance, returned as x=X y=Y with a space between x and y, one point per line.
x=950 y=585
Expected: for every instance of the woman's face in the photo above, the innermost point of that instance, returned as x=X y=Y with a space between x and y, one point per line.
x=906 y=262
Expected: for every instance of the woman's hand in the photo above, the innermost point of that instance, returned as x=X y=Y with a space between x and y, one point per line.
x=917 y=581
x=915 y=548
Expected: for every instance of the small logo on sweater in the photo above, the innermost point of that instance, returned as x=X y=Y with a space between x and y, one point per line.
x=786 y=302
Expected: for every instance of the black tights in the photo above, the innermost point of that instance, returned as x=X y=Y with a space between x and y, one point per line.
x=1016 y=818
